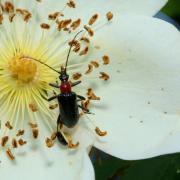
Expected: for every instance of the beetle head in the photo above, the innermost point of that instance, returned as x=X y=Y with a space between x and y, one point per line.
x=63 y=75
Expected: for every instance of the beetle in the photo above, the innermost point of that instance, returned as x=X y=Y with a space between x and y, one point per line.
x=67 y=99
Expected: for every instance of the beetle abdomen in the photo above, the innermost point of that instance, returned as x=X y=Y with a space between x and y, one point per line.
x=68 y=109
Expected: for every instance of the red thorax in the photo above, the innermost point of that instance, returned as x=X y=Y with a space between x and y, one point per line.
x=65 y=87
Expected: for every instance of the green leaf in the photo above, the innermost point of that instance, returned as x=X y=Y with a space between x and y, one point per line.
x=172 y=9
x=165 y=167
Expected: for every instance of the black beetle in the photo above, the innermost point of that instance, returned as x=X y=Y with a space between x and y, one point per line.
x=67 y=100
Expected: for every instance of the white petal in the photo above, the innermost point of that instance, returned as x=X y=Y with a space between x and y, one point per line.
x=141 y=104
x=87 y=169
x=144 y=7
x=36 y=161
x=87 y=8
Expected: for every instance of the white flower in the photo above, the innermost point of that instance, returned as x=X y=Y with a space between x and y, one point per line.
x=139 y=106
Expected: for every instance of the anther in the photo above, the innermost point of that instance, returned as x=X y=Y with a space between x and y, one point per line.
x=77 y=47
x=10 y=154
x=8 y=125
x=27 y=16
x=91 y=95
x=89 y=30
x=33 y=107
x=9 y=7
x=84 y=51
x=76 y=24
x=53 y=106
x=71 y=4
x=45 y=26
x=54 y=16
x=72 y=146
x=20 y=132
x=106 y=59
x=100 y=133
x=66 y=22
x=22 y=142
x=4 y=140
x=63 y=24
x=85 y=39
x=93 y=19
x=90 y=69
x=20 y=11
x=73 y=43
x=35 y=133
x=14 y=143
x=104 y=76
x=109 y=16
x=49 y=143
x=53 y=136
x=95 y=64
x=76 y=76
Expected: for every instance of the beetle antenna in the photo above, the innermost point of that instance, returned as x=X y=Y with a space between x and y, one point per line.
x=71 y=48
x=26 y=57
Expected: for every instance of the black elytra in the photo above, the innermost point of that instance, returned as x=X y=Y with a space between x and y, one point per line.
x=68 y=107
x=67 y=100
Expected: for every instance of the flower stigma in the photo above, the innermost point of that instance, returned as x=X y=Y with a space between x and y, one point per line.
x=31 y=54
x=22 y=70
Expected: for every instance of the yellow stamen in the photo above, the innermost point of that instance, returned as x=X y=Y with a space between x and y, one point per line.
x=22 y=70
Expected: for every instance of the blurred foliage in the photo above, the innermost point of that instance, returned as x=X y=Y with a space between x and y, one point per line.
x=165 y=167
x=172 y=9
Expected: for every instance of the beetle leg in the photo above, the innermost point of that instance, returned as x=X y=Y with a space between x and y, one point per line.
x=59 y=123
x=54 y=92
x=85 y=110
x=51 y=98
x=60 y=135
x=65 y=139
x=44 y=97
x=81 y=97
x=54 y=85
x=61 y=138
x=75 y=83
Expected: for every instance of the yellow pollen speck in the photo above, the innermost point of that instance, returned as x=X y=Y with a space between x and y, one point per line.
x=21 y=69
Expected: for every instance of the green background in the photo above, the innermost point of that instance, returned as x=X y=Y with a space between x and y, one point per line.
x=172 y=9
x=166 y=167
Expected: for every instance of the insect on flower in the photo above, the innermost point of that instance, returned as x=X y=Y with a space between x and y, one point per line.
x=117 y=93
x=28 y=69
x=68 y=102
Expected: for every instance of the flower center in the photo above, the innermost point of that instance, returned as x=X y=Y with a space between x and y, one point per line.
x=22 y=69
